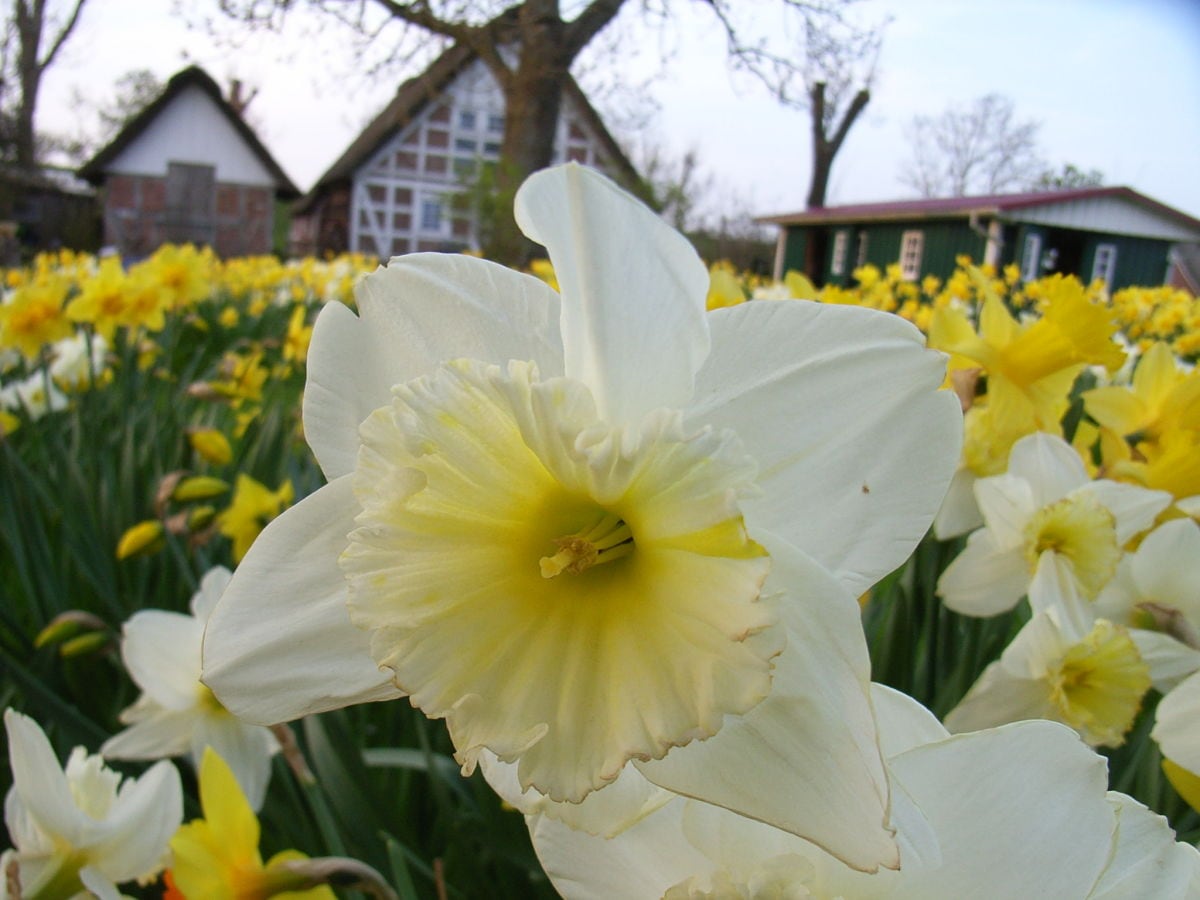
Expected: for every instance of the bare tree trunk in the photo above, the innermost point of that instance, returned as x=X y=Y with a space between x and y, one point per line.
x=29 y=17
x=825 y=148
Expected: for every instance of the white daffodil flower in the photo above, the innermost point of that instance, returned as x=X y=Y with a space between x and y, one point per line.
x=1017 y=811
x=602 y=528
x=82 y=829
x=1049 y=532
x=1092 y=681
x=1156 y=592
x=1177 y=725
x=176 y=714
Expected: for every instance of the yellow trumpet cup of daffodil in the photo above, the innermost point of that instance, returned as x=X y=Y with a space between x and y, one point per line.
x=217 y=858
x=607 y=536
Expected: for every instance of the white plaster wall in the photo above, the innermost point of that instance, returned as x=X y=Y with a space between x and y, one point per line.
x=192 y=129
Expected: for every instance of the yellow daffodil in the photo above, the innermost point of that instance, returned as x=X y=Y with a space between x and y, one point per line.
x=34 y=317
x=299 y=334
x=217 y=857
x=724 y=289
x=613 y=539
x=101 y=301
x=81 y=829
x=1030 y=792
x=1162 y=397
x=252 y=507
x=142 y=539
x=1034 y=364
x=176 y=714
x=211 y=445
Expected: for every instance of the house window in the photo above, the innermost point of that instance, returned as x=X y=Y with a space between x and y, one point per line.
x=431 y=214
x=911 y=245
x=491 y=149
x=1031 y=257
x=496 y=124
x=462 y=145
x=466 y=120
x=841 y=241
x=861 y=257
x=1104 y=266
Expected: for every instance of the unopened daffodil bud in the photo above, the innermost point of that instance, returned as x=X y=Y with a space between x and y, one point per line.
x=143 y=539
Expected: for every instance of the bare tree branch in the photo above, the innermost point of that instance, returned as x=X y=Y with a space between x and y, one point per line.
x=977 y=149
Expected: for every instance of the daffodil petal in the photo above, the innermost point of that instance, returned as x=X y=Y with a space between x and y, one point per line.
x=156 y=733
x=959 y=512
x=145 y=810
x=633 y=291
x=1006 y=504
x=984 y=580
x=806 y=759
x=840 y=406
x=39 y=780
x=1147 y=860
x=1175 y=724
x=1170 y=661
x=1166 y=567
x=226 y=811
x=903 y=722
x=1020 y=810
x=98 y=884
x=606 y=812
x=246 y=749
x=280 y=644
x=212 y=586
x=641 y=863
x=161 y=650
x=417 y=312
x=1050 y=465
x=1134 y=508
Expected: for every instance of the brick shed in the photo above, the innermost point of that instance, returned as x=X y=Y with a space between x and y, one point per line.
x=188 y=169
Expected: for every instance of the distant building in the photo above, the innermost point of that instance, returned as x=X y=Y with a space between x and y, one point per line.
x=45 y=208
x=188 y=168
x=389 y=192
x=1111 y=233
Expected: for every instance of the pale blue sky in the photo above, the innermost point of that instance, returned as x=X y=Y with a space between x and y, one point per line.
x=1115 y=83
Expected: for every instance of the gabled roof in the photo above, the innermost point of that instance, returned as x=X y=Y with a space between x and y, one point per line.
x=414 y=95
x=193 y=76
x=964 y=207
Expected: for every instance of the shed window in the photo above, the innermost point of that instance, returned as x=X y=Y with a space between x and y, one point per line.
x=495 y=124
x=861 y=256
x=841 y=241
x=1104 y=267
x=1031 y=257
x=466 y=120
x=911 y=245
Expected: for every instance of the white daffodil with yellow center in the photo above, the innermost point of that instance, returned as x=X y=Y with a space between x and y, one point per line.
x=1029 y=792
x=176 y=714
x=614 y=541
x=1093 y=681
x=1049 y=532
x=83 y=830
x=1156 y=593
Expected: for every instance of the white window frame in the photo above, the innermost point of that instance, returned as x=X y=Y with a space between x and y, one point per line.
x=1031 y=258
x=912 y=246
x=1104 y=264
x=841 y=243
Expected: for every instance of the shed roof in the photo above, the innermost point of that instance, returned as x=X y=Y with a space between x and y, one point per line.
x=411 y=99
x=94 y=170
x=1024 y=206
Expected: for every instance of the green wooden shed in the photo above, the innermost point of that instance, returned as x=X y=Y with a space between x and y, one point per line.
x=1111 y=233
